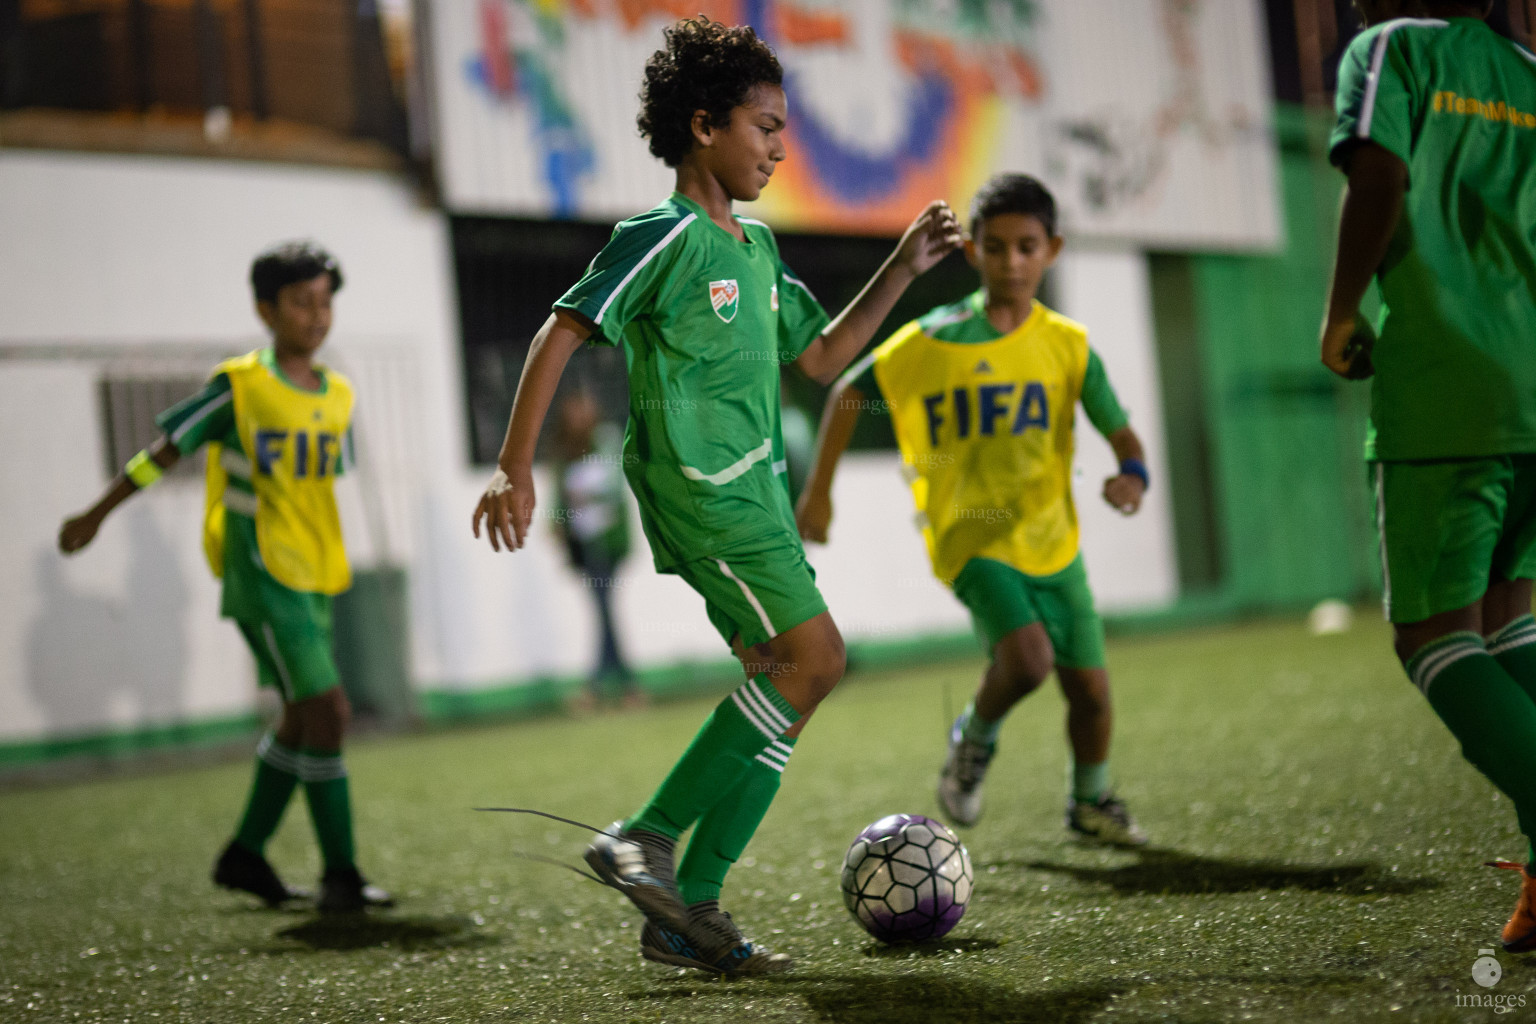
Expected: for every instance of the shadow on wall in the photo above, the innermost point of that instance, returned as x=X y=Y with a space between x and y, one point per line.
x=95 y=662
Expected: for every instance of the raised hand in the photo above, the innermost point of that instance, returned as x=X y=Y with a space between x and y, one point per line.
x=932 y=236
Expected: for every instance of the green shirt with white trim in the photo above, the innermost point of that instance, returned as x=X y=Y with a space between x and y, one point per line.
x=1456 y=360
x=706 y=321
x=965 y=323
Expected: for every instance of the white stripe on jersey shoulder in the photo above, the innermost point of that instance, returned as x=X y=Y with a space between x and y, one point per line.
x=1522 y=51
x=666 y=240
x=1378 y=57
x=191 y=421
x=959 y=316
x=792 y=279
x=753 y=220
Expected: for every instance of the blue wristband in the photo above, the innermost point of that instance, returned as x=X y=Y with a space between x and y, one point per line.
x=1135 y=467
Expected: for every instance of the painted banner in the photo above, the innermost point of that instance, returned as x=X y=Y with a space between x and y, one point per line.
x=1149 y=119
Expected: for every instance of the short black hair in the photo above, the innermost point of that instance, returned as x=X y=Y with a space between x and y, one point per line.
x=289 y=263
x=1014 y=193
x=706 y=66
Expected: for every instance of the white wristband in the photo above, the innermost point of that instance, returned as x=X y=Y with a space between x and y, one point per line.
x=499 y=483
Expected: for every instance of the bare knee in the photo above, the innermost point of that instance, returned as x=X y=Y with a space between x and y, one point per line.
x=322 y=719
x=1086 y=689
x=804 y=663
x=1024 y=658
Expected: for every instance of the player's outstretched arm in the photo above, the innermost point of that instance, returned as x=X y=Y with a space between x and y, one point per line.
x=78 y=531
x=1124 y=490
x=507 y=504
x=932 y=236
x=813 y=513
x=1373 y=200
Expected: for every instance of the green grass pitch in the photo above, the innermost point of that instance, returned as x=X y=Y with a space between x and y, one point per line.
x=1317 y=848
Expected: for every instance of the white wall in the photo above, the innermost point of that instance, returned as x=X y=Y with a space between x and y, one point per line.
x=111 y=262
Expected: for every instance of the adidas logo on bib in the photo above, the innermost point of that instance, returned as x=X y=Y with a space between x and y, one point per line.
x=983 y=367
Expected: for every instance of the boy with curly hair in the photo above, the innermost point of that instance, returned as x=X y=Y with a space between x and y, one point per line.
x=707 y=313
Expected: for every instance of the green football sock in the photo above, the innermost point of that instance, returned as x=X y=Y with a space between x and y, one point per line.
x=271 y=788
x=1514 y=648
x=1090 y=782
x=977 y=729
x=330 y=806
x=725 y=829
x=723 y=748
x=1486 y=710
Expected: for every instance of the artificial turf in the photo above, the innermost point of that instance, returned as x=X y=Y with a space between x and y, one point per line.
x=1317 y=842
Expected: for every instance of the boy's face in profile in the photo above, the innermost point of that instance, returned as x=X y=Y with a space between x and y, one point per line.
x=300 y=318
x=743 y=154
x=1012 y=251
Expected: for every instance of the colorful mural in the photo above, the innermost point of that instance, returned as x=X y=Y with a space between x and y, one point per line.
x=892 y=103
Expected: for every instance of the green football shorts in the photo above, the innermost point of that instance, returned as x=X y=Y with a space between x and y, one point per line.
x=1448 y=526
x=1001 y=599
x=294 y=658
x=289 y=631
x=757 y=593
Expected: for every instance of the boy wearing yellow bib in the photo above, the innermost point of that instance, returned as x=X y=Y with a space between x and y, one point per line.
x=981 y=395
x=277 y=429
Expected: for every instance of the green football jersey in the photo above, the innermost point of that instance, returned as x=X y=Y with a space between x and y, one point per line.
x=965 y=323
x=1456 y=359
x=706 y=321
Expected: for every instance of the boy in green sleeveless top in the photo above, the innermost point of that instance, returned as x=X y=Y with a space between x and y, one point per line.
x=277 y=428
x=1437 y=134
x=708 y=313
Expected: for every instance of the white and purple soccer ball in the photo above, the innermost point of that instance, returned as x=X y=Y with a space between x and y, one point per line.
x=907 y=878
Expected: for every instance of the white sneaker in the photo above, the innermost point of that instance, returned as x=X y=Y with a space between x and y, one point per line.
x=965 y=768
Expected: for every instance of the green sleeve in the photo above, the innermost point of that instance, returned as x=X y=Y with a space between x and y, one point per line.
x=801 y=317
x=1377 y=95
x=206 y=416
x=1099 y=400
x=622 y=281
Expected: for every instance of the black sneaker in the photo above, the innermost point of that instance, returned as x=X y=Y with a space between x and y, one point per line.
x=240 y=869
x=346 y=891
x=1105 y=822
x=639 y=865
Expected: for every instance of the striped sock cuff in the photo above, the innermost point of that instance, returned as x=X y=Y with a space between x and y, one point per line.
x=278 y=756
x=776 y=754
x=317 y=767
x=1438 y=655
x=1517 y=634
x=764 y=707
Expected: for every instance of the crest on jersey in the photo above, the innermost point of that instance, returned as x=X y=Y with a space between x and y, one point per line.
x=725 y=297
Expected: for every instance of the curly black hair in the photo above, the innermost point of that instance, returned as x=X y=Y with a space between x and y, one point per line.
x=1014 y=193
x=706 y=66
x=289 y=263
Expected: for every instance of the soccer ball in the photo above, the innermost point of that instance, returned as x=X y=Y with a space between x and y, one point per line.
x=907 y=878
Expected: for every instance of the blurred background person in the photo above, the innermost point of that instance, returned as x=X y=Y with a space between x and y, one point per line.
x=592 y=518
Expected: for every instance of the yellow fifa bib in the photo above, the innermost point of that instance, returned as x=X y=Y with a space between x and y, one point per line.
x=291 y=442
x=985 y=430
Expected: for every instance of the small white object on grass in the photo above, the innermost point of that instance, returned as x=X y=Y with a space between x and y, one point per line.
x=1330 y=617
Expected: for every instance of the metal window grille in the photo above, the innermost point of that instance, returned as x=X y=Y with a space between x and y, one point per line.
x=129 y=404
